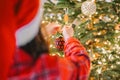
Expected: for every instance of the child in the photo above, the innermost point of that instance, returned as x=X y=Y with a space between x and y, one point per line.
x=31 y=60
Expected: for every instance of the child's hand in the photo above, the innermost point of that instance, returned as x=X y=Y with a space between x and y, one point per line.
x=52 y=28
x=67 y=32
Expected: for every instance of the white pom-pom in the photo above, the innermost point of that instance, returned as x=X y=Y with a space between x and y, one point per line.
x=88 y=8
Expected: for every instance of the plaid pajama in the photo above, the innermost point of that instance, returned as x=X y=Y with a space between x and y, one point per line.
x=75 y=65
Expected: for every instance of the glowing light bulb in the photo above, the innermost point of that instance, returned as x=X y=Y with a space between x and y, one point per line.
x=99 y=62
x=99 y=71
x=104 y=60
x=51 y=45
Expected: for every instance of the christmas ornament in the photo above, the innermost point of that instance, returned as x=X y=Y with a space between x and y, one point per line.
x=66 y=17
x=59 y=43
x=88 y=8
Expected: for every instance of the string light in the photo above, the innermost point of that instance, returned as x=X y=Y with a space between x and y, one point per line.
x=99 y=33
x=118 y=62
x=53 y=54
x=99 y=62
x=99 y=70
x=104 y=60
x=110 y=57
x=78 y=33
x=103 y=51
x=46 y=18
x=52 y=36
x=51 y=45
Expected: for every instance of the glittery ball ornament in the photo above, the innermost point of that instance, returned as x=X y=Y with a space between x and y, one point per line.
x=88 y=8
x=59 y=43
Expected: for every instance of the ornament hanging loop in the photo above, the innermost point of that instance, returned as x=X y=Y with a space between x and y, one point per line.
x=66 y=10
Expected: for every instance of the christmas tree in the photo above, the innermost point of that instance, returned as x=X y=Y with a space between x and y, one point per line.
x=97 y=26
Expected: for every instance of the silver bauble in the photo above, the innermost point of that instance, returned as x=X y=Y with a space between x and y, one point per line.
x=88 y=8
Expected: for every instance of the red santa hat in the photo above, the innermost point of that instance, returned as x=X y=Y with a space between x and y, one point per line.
x=28 y=31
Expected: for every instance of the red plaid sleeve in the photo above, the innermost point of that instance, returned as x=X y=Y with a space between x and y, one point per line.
x=75 y=51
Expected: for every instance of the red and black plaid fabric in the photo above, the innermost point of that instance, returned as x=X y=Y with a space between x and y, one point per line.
x=75 y=65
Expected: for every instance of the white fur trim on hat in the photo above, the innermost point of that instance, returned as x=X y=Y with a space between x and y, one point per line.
x=30 y=30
